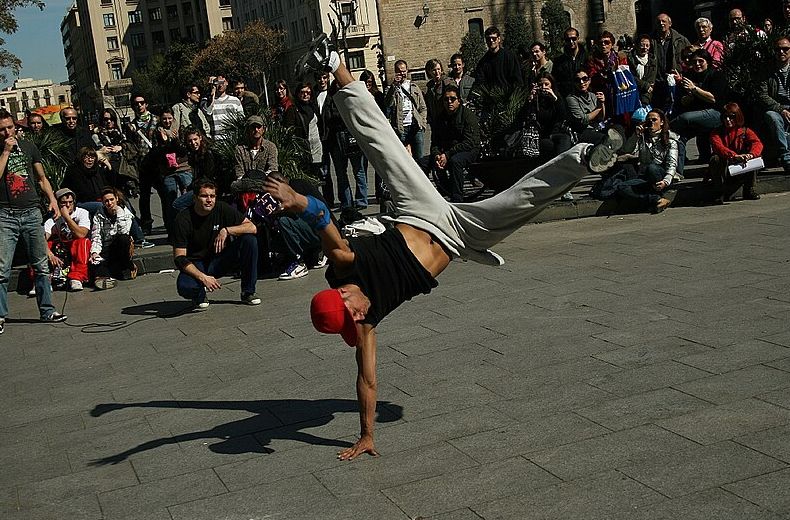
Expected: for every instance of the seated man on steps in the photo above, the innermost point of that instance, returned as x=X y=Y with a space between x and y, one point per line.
x=371 y=276
x=212 y=239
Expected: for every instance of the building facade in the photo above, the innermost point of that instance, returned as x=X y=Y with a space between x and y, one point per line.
x=35 y=95
x=418 y=30
x=105 y=40
x=301 y=21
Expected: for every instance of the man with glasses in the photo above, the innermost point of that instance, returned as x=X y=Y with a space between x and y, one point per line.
x=140 y=132
x=455 y=143
x=570 y=62
x=586 y=110
x=188 y=113
x=67 y=240
x=221 y=106
x=75 y=136
x=20 y=217
x=774 y=99
x=498 y=66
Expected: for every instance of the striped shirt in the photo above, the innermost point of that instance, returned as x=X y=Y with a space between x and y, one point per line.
x=222 y=110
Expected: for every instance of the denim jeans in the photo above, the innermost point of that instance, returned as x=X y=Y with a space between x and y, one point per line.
x=359 y=169
x=172 y=186
x=327 y=187
x=241 y=252
x=778 y=129
x=24 y=223
x=415 y=136
x=697 y=123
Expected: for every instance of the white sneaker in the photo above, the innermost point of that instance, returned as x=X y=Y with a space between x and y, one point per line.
x=32 y=291
x=293 y=271
x=75 y=285
x=105 y=283
x=321 y=262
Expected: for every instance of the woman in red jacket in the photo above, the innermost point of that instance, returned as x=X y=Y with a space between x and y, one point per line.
x=733 y=143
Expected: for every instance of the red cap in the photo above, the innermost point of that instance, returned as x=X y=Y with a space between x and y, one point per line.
x=331 y=316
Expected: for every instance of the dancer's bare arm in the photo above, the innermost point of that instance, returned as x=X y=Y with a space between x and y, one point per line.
x=334 y=246
x=366 y=394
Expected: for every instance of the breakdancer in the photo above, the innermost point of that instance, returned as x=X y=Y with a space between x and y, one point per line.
x=371 y=276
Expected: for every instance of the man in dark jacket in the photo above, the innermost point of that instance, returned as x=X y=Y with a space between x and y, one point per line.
x=569 y=63
x=455 y=143
x=498 y=66
x=773 y=98
x=76 y=136
x=668 y=45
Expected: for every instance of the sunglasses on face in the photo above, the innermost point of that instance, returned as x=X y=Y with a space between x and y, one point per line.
x=194 y=92
x=729 y=116
x=450 y=99
x=107 y=119
x=606 y=42
x=585 y=79
x=143 y=102
x=492 y=38
x=781 y=49
x=255 y=126
x=70 y=118
x=571 y=38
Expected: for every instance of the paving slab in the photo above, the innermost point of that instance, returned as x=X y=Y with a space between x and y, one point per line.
x=768 y=491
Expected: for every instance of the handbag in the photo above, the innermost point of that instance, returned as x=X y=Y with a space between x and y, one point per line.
x=626 y=91
x=348 y=143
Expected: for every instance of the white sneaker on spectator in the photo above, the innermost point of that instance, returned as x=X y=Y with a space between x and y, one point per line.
x=201 y=304
x=105 y=283
x=32 y=291
x=75 y=285
x=250 y=299
x=293 y=271
x=145 y=244
x=321 y=262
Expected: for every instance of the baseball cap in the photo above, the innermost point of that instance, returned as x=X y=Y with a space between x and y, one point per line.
x=254 y=120
x=331 y=316
x=64 y=191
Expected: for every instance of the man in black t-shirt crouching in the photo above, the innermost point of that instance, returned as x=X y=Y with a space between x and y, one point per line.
x=212 y=239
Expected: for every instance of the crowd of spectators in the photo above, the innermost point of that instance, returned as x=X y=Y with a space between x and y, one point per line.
x=661 y=91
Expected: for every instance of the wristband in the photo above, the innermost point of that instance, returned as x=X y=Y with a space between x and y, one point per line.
x=316 y=214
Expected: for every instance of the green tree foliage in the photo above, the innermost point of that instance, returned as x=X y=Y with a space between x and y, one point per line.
x=247 y=53
x=472 y=47
x=554 y=21
x=8 y=25
x=518 y=32
x=749 y=60
x=164 y=74
x=54 y=149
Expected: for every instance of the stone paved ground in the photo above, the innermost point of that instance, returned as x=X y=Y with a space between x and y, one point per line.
x=632 y=367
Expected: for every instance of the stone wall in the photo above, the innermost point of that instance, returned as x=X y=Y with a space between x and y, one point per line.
x=448 y=21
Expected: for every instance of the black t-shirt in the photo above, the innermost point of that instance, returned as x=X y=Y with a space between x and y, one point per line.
x=18 y=181
x=386 y=271
x=197 y=233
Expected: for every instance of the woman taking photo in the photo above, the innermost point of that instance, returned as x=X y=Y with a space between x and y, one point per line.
x=111 y=244
x=733 y=143
x=649 y=158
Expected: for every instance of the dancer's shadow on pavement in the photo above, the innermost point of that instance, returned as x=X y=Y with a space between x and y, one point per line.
x=273 y=419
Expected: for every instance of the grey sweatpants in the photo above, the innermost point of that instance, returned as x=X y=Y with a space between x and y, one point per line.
x=465 y=229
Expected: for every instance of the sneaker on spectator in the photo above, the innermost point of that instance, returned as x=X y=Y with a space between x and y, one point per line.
x=55 y=317
x=293 y=271
x=105 y=283
x=201 y=303
x=567 y=196
x=677 y=177
x=2 y=326
x=75 y=285
x=32 y=291
x=145 y=244
x=250 y=299
x=320 y=262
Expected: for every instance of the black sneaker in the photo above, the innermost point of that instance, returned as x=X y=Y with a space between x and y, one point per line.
x=317 y=58
x=250 y=299
x=55 y=317
x=604 y=155
x=2 y=326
